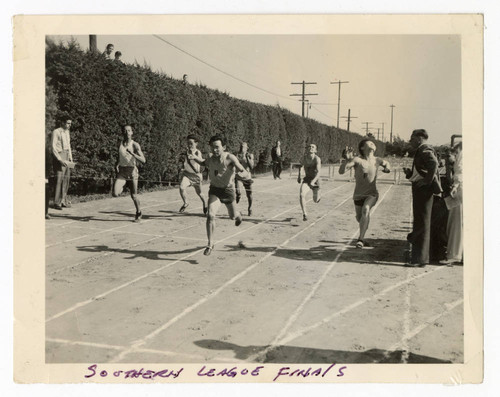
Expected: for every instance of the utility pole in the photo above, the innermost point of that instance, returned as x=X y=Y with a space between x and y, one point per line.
x=93 y=43
x=303 y=95
x=349 y=117
x=392 y=112
x=366 y=127
x=338 y=103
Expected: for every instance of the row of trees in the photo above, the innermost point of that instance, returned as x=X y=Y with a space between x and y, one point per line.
x=100 y=95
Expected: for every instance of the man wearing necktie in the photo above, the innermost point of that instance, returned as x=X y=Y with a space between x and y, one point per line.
x=425 y=183
x=62 y=155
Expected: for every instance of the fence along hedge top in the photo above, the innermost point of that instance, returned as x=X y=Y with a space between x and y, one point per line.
x=101 y=95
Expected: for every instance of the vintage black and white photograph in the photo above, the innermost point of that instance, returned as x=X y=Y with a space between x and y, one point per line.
x=268 y=199
x=256 y=197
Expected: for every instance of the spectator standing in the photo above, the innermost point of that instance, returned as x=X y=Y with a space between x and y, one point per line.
x=48 y=167
x=63 y=159
x=277 y=159
x=185 y=80
x=424 y=180
x=455 y=215
x=118 y=55
x=109 y=50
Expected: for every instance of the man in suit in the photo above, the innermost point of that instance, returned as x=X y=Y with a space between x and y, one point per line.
x=277 y=158
x=425 y=183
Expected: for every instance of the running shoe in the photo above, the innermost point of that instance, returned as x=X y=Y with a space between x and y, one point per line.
x=249 y=212
x=304 y=218
x=208 y=250
x=205 y=209
x=183 y=208
x=138 y=216
x=238 y=197
x=47 y=216
x=57 y=207
x=361 y=244
x=238 y=221
x=66 y=205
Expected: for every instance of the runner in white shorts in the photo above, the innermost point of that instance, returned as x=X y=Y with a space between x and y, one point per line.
x=191 y=173
x=129 y=153
x=312 y=167
x=365 y=192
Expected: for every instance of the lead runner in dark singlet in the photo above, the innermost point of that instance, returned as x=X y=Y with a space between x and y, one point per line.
x=221 y=169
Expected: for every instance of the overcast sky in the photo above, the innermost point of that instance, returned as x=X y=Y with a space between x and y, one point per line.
x=419 y=74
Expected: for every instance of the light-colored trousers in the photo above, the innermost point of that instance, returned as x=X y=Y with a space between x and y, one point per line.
x=62 y=179
x=455 y=246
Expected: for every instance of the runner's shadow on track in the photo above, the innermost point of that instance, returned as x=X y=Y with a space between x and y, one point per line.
x=132 y=216
x=73 y=217
x=281 y=222
x=317 y=254
x=383 y=252
x=295 y=354
x=177 y=214
x=147 y=254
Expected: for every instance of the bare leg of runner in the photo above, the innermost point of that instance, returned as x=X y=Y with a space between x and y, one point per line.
x=182 y=191
x=316 y=195
x=364 y=220
x=197 y=189
x=133 y=193
x=213 y=207
x=248 y=190
x=237 y=189
x=118 y=186
x=304 y=189
x=234 y=213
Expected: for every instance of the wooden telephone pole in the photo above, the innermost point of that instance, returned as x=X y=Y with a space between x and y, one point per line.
x=392 y=113
x=93 y=42
x=349 y=117
x=303 y=95
x=338 y=103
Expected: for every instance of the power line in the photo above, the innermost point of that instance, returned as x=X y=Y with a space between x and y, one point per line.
x=324 y=114
x=222 y=71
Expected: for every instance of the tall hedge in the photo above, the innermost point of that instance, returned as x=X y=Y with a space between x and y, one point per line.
x=101 y=95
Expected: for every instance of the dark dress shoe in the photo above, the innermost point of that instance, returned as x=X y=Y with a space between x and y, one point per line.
x=415 y=264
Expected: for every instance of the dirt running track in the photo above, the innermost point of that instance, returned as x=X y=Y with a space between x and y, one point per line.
x=300 y=292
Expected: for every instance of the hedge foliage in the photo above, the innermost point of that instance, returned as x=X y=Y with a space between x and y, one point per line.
x=101 y=95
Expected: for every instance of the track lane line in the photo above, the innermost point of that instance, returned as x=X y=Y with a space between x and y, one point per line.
x=293 y=318
x=145 y=275
x=213 y=294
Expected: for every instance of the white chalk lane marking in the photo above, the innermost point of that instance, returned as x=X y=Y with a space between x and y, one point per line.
x=293 y=318
x=121 y=286
x=213 y=294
